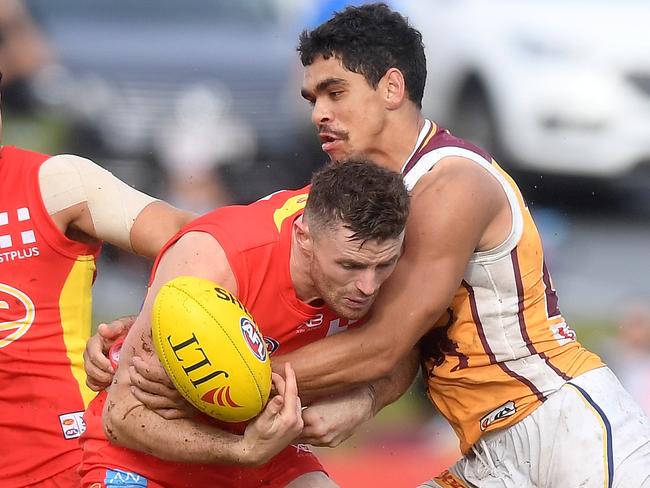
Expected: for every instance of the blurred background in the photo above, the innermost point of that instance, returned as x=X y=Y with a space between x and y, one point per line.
x=198 y=102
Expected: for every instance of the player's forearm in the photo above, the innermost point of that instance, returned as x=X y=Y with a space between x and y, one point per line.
x=129 y=424
x=339 y=363
x=388 y=389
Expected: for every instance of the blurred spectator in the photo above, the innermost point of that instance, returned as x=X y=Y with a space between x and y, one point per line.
x=629 y=354
x=202 y=135
x=23 y=52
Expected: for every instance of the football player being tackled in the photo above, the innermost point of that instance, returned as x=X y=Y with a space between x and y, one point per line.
x=305 y=268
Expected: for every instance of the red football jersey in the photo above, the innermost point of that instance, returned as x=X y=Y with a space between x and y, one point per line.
x=257 y=241
x=45 y=311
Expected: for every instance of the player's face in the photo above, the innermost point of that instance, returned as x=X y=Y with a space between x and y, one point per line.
x=348 y=113
x=346 y=274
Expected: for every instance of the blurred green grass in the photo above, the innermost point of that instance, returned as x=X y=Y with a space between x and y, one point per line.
x=37 y=132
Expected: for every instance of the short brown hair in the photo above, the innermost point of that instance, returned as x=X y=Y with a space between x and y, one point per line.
x=369 y=200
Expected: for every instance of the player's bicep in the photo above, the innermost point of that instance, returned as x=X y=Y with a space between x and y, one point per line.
x=194 y=254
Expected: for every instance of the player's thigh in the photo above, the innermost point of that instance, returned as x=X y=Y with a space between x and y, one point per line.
x=623 y=428
x=316 y=479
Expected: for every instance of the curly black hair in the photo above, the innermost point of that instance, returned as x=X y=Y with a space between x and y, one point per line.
x=369 y=200
x=370 y=40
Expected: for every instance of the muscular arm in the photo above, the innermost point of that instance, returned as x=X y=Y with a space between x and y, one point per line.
x=128 y=423
x=456 y=209
x=388 y=389
x=88 y=203
x=332 y=419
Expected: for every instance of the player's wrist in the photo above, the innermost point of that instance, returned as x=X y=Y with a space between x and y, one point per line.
x=248 y=452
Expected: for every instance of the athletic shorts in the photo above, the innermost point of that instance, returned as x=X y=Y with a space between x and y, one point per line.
x=589 y=433
x=65 y=479
x=292 y=462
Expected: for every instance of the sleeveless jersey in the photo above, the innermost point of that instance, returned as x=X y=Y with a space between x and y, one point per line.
x=502 y=346
x=45 y=312
x=257 y=241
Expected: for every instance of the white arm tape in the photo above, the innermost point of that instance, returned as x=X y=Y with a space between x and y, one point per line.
x=67 y=180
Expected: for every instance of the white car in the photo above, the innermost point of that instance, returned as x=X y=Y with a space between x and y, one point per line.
x=556 y=87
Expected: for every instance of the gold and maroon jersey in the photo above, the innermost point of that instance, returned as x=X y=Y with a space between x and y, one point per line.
x=45 y=311
x=502 y=346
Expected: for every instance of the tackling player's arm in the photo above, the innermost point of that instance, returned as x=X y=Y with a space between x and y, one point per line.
x=88 y=203
x=129 y=423
x=456 y=209
x=332 y=419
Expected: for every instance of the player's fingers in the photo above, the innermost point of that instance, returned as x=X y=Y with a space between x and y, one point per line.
x=97 y=378
x=292 y=409
x=312 y=420
x=278 y=383
x=108 y=334
x=116 y=328
x=152 y=371
x=313 y=431
x=95 y=386
x=95 y=355
x=291 y=399
x=317 y=434
x=152 y=387
x=273 y=407
x=155 y=402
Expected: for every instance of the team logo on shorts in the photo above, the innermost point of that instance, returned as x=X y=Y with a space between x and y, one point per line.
x=504 y=411
x=253 y=338
x=72 y=424
x=16 y=314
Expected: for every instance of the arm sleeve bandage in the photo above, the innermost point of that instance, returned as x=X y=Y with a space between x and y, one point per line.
x=68 y=180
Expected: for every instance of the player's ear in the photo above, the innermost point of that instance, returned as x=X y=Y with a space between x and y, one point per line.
x=393 y=87
x=303 y=236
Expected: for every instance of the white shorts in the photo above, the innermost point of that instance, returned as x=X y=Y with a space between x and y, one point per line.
x=590 y=433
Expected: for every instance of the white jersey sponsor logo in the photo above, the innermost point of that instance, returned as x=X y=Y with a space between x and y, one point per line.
x=12 y=244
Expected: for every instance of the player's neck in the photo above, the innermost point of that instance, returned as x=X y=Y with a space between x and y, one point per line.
x=397 y=141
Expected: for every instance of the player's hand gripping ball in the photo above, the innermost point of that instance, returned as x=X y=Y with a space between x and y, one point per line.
x=211 y=348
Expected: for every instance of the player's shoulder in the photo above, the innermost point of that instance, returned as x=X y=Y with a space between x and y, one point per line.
x=256 y=224
x=455 y=173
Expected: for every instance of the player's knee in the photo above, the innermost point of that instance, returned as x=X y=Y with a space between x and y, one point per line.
x=316 y=479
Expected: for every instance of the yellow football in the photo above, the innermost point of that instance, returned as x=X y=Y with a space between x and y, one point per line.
x=211 y=348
